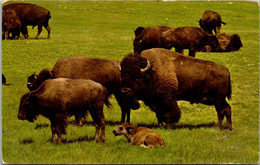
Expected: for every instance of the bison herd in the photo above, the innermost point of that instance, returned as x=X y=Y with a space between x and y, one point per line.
x=154 y=74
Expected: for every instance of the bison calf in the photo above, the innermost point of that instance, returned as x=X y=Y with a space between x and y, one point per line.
x=141 y=136
x=57 y=99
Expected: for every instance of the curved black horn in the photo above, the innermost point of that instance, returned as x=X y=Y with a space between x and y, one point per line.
x=147 y=67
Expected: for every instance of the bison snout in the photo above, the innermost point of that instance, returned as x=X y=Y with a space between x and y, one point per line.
x=21 y=117
x=115 y=133
x=29 y=86
x=126 y=90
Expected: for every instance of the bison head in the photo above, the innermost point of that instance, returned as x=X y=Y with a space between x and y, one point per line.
x=235 y=43
x=135 y=74
x=27 y=109
x=34 y=81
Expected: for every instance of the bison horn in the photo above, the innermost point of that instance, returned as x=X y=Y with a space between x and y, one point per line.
x=50 y=73
x=119 y=67
x=147 y=67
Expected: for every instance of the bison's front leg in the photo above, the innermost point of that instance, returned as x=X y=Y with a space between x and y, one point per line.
x=53 y=130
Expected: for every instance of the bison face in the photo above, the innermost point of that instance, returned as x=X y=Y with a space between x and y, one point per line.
x=235 y=43
x=135 y=75
x=31 y=85
x=34 y=81
x=130 y=99
x=27 y=110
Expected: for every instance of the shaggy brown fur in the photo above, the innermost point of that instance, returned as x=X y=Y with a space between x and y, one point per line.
x=104 y=72
x=170 y=76
x=57 y=99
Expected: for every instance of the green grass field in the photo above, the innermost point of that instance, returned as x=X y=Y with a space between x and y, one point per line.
x=105 y=30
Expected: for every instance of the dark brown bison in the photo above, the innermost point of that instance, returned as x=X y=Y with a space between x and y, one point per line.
x=160 y=77
x=191 y=38
x=149 y=37
x=10 y=24
x=31 y=15
x=104 y=72
x=227 y=43
x=211 y=20
x=57 y=99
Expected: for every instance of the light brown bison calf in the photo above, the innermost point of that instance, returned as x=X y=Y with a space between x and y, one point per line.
x=141 y=136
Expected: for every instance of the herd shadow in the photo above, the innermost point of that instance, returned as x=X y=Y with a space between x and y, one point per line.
x=116 y=123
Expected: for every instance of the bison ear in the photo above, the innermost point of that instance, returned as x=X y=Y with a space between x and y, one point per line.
x=129 y=130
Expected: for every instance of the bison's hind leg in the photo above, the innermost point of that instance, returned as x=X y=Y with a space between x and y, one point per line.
x=224 y=109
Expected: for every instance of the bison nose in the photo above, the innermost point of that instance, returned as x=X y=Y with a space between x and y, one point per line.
x=126 y=90
x=114 y=132
x=20 y=117
x=29 y=85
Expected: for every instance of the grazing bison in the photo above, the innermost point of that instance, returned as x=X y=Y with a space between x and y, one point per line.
x=104 y=72
x=10 y=24
x=59 y=98
x=31 y=15
x=160 y=77
x=227 y=43
x=191 y=38
x=149 y=37
x=141 y=136
x=211 y=20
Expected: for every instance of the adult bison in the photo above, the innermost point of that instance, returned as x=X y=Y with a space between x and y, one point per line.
x=10 y=24
x=149 y=37
x=31 y=15
x=211 y=20
x=191 y=38
x=227 y=43
x=104 y=72
x=60 y=98
x=160 y=77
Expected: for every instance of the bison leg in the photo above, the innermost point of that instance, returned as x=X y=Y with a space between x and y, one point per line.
x=24 y=31
x=78 y=120
x=53 y=130
x=192 y=53
x=39 y=31
x=123 y=105
x=224 y=109
x=179 y=50
x=48 y=28
x=98 y=117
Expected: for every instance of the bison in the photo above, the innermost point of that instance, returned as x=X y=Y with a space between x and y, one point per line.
x=149 y=37
x=227 y=43
x=31 y=15
x=102 y=71
x=59 y=98
x=10 y=24
x=211 y=20
x=141 y=136
x=161 y=77
x=191 y=38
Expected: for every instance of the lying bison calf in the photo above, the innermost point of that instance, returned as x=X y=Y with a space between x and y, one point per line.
x=227 y=43
x=141 y=136
x=57 y=99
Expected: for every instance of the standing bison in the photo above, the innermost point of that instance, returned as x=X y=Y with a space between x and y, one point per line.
x=59 y=98
x=149 y=37
x=191 y=38
x=160 y=77
x=211 y=20
x=31 y=15
x=104 y=72
x=227 y=43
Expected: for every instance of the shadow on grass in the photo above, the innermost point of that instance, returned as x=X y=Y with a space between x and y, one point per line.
x=116 y=123
x=27 y=141
x=80 y=139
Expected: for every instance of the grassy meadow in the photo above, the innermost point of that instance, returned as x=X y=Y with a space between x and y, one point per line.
x=106 y=30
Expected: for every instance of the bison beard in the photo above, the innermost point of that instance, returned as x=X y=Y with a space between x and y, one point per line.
x=160 y=77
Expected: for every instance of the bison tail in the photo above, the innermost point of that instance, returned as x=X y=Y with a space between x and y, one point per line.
x=223 y=23
x=106 y=101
